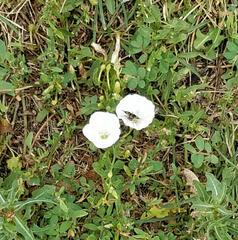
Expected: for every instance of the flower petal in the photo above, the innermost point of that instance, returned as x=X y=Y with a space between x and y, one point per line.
x=102 y=124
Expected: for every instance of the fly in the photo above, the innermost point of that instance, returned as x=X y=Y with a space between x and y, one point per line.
x=131 y=116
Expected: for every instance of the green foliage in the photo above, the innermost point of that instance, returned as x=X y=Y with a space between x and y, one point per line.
x=212 y=206
x=13 y=70
x=89 y=105
x=177 y=53
x=204 y=153
x=231 y=54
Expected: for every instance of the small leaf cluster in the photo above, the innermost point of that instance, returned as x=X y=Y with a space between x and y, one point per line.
x=203 y=154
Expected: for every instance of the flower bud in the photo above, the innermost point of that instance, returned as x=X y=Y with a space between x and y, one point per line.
x=100 y=105
x=110 y=174
x=101 y=98
x=117 y=87
x=127 y=153
x=71 y=233
x=108 y=108
x=71 y=69
x=32 y=27
x=163 y=49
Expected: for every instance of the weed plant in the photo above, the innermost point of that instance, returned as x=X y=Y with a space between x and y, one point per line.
x=61 y=61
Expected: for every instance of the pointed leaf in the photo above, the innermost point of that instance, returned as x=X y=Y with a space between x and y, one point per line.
x=201 y=191
x=110 y=4
x=201 y=39
x=22 y=228
x=218 y=190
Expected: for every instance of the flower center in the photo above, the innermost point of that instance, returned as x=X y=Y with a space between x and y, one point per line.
x=135 y=120
x=104 y=136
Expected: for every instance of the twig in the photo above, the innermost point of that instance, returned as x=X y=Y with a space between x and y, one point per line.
x=41 y=128
x=24 y=122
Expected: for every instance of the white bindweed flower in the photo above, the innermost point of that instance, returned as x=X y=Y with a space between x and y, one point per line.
x=103 y=129
x=136 y=111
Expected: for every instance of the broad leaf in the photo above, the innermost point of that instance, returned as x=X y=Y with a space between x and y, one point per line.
x=201 y=39
x=7 y=87
x=218 y=190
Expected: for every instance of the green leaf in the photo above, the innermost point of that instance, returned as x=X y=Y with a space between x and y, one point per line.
x=207 y=147
x=188 y=54
x=157 y=165
x=56 y=69
x=197 y=160
x=69 y=6
x=3 y=51
x=63 y=206
x=64 y=226
x=127 y=171
x=216 y=138
x=202 y=205
x=91 y=226
x=191 y=68
x=232 y=47
x=79 y=214
x=141 y=83
x=90 y=105
x=110 y=4
x=41 y=115
x=132 y=188
x=28 y=140
x=218 y=190
x=213 y=159
x=163 y=66
x=141 y=72
x=199 y=141
x=69 y=170
x=142 y=58
x=7 y=87
x=216 y=37
x=221 y=233
x=5 y=20
x=232 y=82
x=130 y=69
x=190 y=148
x=22 y=228
x=47 y=191
x=201 y=191
x=224 y=211
x=201 y=39
x=132 y=83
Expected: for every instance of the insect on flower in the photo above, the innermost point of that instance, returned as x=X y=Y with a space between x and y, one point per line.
x=131 y=116
x=136 y=111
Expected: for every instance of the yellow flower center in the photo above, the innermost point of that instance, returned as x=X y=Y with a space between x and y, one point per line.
x=135 y=120
x=104 y=136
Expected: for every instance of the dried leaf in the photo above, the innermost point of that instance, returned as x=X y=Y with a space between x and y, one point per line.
x=115 y=54
x=5 y=127
x=99 y=49
x=70 y=108
x=190 y=177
